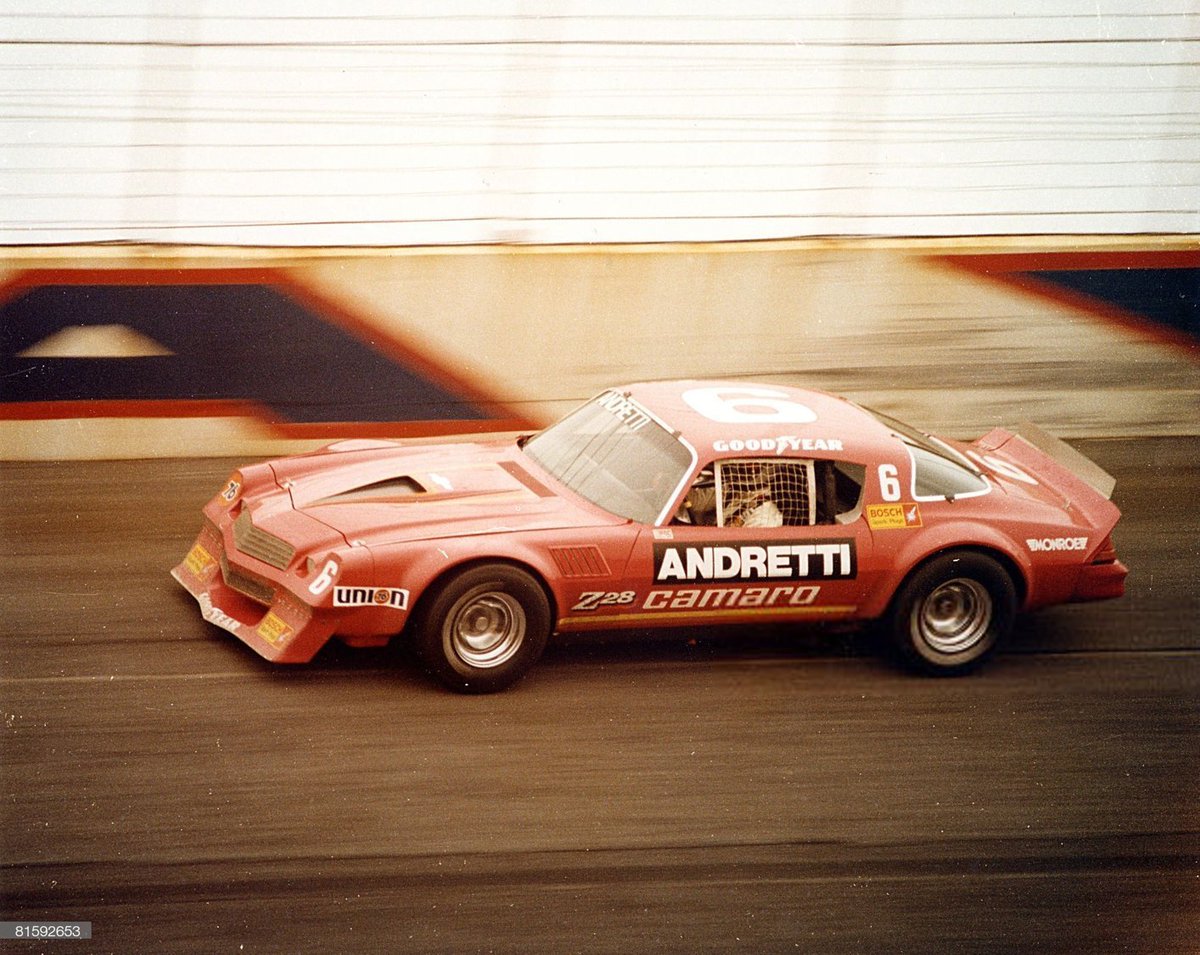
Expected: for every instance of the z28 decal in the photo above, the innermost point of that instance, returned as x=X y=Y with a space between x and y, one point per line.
x=593 y=600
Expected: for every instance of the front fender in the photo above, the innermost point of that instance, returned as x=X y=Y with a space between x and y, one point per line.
x=421 y=566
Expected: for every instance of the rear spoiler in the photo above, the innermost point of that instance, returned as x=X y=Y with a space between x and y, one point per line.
x=1060 y=452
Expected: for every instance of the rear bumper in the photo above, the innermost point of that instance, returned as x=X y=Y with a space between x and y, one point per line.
x=287 y=631
x=1100 y=582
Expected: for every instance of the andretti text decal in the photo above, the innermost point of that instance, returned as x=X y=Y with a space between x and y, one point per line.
x=749 y=561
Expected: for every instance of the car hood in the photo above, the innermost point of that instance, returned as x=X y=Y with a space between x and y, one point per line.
x=380 y=492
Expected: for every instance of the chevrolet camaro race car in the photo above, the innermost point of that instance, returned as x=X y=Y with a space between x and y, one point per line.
x=659 y=504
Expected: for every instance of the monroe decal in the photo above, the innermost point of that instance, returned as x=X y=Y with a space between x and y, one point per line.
x=1043 y=544
x=747 y=562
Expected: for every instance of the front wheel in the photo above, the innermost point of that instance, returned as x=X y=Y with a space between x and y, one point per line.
x=484 y=628
x=949 y=616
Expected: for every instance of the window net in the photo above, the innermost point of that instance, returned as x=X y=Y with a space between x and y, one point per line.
x=765 y=493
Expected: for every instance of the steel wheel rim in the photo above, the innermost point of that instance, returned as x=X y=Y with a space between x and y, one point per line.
x=955 y=616
x=486 y=628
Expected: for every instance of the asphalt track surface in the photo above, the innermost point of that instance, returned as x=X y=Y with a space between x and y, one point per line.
x=772 y=791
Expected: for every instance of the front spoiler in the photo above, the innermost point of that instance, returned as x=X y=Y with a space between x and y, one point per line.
x=286 y=632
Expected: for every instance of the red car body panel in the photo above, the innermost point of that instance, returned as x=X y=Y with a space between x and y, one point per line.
x=345 y=541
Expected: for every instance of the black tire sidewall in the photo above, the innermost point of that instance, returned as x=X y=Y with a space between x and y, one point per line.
x=434 y=647
x=914 y=650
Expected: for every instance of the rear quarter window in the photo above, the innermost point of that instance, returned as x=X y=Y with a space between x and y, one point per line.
x=938 y=478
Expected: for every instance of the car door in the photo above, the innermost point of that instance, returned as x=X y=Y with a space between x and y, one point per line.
x=771 y=551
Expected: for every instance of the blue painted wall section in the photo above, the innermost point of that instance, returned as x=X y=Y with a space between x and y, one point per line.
x=233 y=342
x=1170 y=297
x=1155 y=291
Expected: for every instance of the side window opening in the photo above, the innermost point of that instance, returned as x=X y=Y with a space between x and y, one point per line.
x=773 y=493
x=765 y=493
x=840 y=491
x=700 y=505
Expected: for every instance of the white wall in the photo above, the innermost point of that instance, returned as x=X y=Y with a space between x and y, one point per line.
x=376 y=122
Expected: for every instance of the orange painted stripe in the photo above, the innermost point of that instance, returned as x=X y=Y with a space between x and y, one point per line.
x=712 y=616
x=1019 y=271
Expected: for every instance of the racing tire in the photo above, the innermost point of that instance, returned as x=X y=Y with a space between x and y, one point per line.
x=952 y=612
x=482 y=629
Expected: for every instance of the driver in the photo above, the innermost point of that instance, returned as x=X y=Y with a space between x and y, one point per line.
x=752 y=504
x=700 y=505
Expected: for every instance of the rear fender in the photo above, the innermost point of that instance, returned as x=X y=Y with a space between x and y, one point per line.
x=952 y=535
x=1084 y=485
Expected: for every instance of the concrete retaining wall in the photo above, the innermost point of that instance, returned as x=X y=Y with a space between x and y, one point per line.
x=132 y=351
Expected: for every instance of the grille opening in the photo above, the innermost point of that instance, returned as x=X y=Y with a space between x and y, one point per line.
x=245 y=584
x=261 y=545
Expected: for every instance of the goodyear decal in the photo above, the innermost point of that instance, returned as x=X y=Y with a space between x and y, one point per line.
x=203 y=342
x=214 y=614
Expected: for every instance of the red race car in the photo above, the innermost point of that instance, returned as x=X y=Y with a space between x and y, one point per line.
x=659 y=504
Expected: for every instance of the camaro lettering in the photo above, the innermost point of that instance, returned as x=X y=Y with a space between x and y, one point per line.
x=780 y=445
x=730 y=598
x=628 y=410
x=392 y=597
x=749 y=562
x=1038 y=545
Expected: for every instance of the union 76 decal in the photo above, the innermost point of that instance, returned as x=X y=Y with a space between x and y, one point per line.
x=750 y=561
x=370 y=597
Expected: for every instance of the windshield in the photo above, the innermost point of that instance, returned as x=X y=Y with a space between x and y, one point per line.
x=612 y=452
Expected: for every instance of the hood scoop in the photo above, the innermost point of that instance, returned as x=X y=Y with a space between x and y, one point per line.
x=392 y=490
x=421 y=488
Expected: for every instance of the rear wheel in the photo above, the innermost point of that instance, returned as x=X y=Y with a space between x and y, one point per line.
x=949 y=616
x=484 y=628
